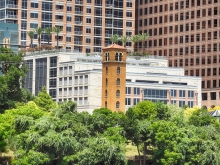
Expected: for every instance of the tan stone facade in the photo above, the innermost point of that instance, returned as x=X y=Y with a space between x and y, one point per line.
x=87 y=25
x=114 y=77
x=187 y=33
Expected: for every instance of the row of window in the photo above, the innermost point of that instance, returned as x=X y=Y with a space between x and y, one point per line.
x=188 y=50
x=212 y=96
x=117 y=81
x=181 y=28
x=118 y=56
x=117 y=104
x=177 y=5
x=211 y=84
x=77 y=91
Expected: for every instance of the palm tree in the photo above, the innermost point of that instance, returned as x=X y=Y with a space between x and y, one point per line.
x=143 y=38
x=39 y=31
x=135 y=39
x=57 y=30
x=124 y=40
x=48 y=31
x=31 y=36
x=114 y=38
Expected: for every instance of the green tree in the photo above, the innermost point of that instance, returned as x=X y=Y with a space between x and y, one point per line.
x=44 y=101
x=48 y=31
x=39 y=32
x=124 y=40
x=57 y=31
x=135 y=39
x=31 y=36
x=12 y=78
x=114 y=38
x=143 y=37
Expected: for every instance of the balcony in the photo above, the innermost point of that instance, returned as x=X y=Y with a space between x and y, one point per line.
x=11 y=6
x=78 y=42
x=79 y=2
x=78 y=22
x=108 y=25
x=108 y=15
x=109 y=5
x=108 y=35
x=78 y=12
x=12 y=16
x=78 y=32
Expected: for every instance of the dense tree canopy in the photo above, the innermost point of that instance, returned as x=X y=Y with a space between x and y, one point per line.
x=43 y=133
x=12 y=78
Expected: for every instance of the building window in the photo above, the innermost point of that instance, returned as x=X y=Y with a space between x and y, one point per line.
x=88 y=20
x=136 y=100
x=128 y=90
x=118 y=81
x=68 y=29
x=88 y=30
x=34 y=15
x=213 y=95
x=181 y=103
x=127 y=101
x=190 y=94
x=106 y=104
x=204 y=96
x=88 y=10
x=190 y=104
x=118 y=93
x=182 y=93
x=69 y=8
x=106 y=56
x=118 y=56
x=34 y=5
x=88 y=40
x=106 y=93
x=117 y=105
x=33 y=25
x=137 y=91
x=106 y=70
x=106 y=81
x=173 y=93
x=68 y=39
x=118 y=70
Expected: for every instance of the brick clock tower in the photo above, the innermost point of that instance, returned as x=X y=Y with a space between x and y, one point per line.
x=114 y=77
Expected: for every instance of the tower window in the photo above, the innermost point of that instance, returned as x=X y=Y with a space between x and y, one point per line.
x=106 y=56
x=106 y=93
x=106 y=81
x=118 y=81
x=106 y=70
x=118 y=56
x=118 y=93
x=118 y=70
x=117 y=105
x=106 y=104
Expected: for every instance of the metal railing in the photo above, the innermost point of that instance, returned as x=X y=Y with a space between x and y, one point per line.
x=109 y=15
x=78 y=32
x=78 y=42
x=78 y=2
x=78 y=22
x=78 y=12
x=108 y=25
x=54 y=51
x=12 y=16
x=11 y=6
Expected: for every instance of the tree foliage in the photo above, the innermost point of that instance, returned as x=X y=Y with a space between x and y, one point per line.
x=12 y=79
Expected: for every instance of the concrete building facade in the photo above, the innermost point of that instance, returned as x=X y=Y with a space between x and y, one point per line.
x=86 y=25
x=187 y=33
x=78 y=77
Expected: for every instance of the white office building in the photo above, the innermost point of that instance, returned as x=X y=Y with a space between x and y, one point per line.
x=78 y=77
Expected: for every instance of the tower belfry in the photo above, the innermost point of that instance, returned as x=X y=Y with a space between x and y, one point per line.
x=114 y=77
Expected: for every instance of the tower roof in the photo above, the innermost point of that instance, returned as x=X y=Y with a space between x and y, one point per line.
x=115 y=46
